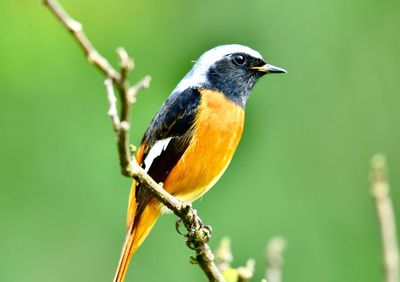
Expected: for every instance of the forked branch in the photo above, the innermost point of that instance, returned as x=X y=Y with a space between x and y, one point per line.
x=380 y=191
x=198 y=235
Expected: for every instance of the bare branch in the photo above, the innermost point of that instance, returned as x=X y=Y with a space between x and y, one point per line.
x=276 y=247
x=224 y=255
x=120 y=79
x=125 y=63
x=224 y=258
x=75 y=28
x=384 y=208
x=134 y=90
x=198 y=235
x=112 y=102
x=246 y=272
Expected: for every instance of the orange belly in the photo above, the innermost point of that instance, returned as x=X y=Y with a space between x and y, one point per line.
x=217 y=131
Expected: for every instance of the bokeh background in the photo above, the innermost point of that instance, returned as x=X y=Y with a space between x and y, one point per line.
x=301 y=170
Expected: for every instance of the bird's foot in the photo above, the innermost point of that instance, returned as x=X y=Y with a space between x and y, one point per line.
x=197 y=234
x=178 y=225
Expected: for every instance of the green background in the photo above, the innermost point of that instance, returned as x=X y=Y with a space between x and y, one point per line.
x=301 y=170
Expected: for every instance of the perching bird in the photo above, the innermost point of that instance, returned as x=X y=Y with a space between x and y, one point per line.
x=191 y=140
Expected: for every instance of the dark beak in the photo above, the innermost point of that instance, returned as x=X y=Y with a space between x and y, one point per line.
x=267 y=68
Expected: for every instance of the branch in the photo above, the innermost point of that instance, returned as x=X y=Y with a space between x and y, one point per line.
x=112 y=102
x=384 y=208
x=224 y=258
x=120 y=80
x=275 y=249
x=198 y=235
x=75 y=28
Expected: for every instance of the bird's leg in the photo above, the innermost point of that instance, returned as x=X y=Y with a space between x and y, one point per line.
x=196 y=238
x=198 y=234
x=183 y=218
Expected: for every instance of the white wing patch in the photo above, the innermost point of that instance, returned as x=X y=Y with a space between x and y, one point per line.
x=155 y=151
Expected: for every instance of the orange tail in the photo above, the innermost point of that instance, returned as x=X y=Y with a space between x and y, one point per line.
x=137 y=231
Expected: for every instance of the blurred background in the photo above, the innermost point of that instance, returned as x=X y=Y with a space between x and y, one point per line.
x=301 y=170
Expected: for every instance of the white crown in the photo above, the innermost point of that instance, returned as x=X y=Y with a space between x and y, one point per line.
x=197 y=75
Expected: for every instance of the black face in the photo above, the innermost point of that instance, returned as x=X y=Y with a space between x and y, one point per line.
x=233 y=75
x=247 y=62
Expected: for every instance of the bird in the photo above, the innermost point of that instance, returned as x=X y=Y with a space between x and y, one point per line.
x=191 y=140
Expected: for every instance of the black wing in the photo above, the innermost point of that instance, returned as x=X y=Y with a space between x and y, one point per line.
x=175 y=120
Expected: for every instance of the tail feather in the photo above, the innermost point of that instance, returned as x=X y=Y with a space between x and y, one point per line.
x=132 y=205
x=138 y=230
x=127 y=252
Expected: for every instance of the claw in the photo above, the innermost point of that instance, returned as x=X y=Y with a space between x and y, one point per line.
x=190 y=245
x=207 y=230
x=193 y=260
x=178 y=224
x=196 y=226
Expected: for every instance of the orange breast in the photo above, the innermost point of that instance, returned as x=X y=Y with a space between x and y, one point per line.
x=218 y=128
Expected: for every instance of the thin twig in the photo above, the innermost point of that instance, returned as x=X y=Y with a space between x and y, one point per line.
x=125 y=156
x=112 y=102
x=198 y=235
x=246 y=272
x=125 y=63
x=75 y=28
x=224 y=257
x=120 y=80
x=380 y=191
x=276 y=247
x=134 y=90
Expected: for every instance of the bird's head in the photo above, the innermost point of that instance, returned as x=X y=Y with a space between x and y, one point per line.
x=231 y=69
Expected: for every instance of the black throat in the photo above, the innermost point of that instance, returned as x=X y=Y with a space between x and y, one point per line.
x=236 y=84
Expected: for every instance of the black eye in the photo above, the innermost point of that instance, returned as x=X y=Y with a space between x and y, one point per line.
x=239 y=59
